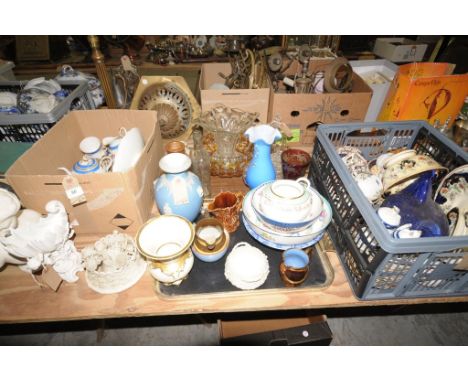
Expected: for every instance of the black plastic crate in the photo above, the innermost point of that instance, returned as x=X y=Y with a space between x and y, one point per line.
x=378 y=268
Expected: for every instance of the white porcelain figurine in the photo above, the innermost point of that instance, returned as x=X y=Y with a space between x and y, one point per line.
x=39 y=241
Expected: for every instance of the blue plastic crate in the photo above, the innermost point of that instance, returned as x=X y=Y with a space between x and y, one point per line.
x=377 y=265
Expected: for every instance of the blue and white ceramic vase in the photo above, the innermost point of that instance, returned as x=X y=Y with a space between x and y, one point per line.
x=261 y=167
x=417 y=208
x=178 y=191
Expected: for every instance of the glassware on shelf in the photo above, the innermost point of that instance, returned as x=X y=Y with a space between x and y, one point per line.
x=201 y=161
x=223 y=138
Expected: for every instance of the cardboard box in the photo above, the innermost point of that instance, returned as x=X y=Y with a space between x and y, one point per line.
x=312 y=330
x=251 y=100
x=304 y=112
x=399 y=49
x=425 y=91
x=378 y=74
x=114 y=201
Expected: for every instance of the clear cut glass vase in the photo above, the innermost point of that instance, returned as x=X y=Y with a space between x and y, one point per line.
x=223 y=138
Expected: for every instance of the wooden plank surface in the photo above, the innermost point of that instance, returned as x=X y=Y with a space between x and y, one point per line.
x=22 y=300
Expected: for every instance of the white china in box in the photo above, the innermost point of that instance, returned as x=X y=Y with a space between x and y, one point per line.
x=120 y=201
x=90 y=145
x=130 y=148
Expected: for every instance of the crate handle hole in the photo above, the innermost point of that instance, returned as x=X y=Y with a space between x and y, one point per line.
x=314 y=125
x=295 y=113
x=344 y=113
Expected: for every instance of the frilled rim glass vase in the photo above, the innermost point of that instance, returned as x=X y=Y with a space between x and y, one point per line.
x=223 y=138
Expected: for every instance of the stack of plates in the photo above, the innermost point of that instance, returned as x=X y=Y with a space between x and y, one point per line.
x=278 y=237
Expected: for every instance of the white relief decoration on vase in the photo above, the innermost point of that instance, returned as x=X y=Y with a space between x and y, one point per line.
x=167 y=209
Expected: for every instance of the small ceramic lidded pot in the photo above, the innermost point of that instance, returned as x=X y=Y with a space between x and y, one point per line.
x=178 y=191
x=211 y=240
x=246 y=266
x=165 y=242
x=86 y=165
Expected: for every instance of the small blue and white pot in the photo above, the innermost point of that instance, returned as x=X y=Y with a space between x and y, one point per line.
x=178 y=191
x=114 y=146
x=86 y=165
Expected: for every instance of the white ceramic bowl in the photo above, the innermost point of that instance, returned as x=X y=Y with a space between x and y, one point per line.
x=246 y=266
x=165 y=237
x=272 y=203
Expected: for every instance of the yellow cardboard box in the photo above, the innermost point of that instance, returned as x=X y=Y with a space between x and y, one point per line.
x=425 y=91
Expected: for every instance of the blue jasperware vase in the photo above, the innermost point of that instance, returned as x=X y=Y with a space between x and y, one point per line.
x=417 y=207
x=178 y=191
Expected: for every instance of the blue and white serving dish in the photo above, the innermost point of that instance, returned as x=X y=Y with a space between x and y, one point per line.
x=280 y=239
x=287 y=204
x=251 y=230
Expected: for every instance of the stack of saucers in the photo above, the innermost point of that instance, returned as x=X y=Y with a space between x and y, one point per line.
x=285 y=214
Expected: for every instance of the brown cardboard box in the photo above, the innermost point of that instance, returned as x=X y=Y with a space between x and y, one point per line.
x=302 y=112
x=306 y=330
x=121 y=201
x=251 y=100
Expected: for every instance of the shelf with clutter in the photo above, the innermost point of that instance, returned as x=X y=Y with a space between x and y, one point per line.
x=162 y=206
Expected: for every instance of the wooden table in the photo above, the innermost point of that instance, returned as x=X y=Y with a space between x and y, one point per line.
x=21 y=300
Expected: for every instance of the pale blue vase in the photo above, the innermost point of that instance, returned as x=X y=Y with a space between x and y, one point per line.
x=178 y=191
x=261 y=167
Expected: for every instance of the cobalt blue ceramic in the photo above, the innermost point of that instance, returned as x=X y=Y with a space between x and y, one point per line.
x=418 y=209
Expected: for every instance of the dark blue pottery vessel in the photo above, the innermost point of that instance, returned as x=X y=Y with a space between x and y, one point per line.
x=417 y=207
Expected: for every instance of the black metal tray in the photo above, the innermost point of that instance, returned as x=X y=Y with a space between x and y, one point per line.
x=208 y=278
